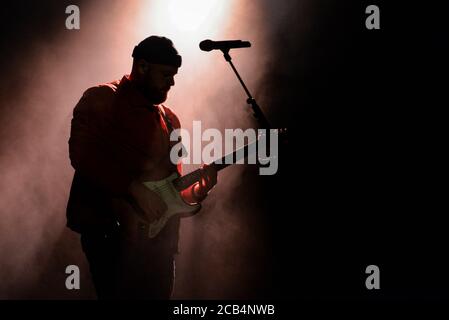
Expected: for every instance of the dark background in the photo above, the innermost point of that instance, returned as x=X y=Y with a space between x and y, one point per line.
x=367 y=161
x=361 y=179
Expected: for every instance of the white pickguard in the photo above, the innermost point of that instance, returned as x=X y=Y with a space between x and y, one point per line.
x=175 y=204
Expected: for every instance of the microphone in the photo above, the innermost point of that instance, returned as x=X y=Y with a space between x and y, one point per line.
x=208 y=45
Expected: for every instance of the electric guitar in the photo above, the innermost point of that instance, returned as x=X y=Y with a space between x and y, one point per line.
x=169 y=189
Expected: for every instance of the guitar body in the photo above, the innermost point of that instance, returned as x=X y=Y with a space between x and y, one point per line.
x=169 y=189
x=172 y=198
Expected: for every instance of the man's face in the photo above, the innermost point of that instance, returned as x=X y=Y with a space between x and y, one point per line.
x=157 y=81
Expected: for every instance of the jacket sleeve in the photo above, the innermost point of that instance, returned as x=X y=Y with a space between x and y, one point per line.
x=91 y=147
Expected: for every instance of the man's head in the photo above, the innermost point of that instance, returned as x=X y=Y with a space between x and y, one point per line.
x=156 y=61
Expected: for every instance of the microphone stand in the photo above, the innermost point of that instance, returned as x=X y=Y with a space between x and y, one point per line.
x=258 y=114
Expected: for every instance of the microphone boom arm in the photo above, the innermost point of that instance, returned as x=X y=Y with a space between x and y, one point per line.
x=258 y=114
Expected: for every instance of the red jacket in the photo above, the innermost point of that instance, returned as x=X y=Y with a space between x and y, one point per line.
x=116 y=136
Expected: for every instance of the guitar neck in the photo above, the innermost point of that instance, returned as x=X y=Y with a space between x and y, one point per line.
x=184 y=182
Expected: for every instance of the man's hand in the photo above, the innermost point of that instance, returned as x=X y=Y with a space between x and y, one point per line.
x=207 y=181
x=148 y=201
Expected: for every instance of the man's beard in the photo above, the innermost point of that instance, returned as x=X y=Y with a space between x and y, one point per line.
x=156 y=96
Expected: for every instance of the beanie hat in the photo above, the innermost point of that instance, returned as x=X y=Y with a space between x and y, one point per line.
x=158 y=50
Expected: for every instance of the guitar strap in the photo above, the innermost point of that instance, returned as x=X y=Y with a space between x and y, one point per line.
x=170 y=127
x=167 y=120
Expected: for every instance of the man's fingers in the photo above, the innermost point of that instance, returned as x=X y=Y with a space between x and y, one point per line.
x=202 y=185
x=207 y=180
x=211 y=174
x=210 y=180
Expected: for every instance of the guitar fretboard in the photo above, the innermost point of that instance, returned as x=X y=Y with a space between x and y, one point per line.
x=184 y=182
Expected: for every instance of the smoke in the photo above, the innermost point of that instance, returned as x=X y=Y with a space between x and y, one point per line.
x=221 y=247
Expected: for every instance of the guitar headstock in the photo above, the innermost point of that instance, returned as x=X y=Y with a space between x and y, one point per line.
x=282 y=134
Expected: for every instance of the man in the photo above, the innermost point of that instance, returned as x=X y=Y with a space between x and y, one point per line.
x=119 y=139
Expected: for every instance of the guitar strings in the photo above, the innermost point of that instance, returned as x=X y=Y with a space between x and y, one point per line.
x=166 y=186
